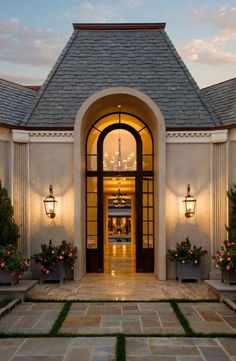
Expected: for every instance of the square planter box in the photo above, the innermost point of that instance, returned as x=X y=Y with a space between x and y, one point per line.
x=58 y=274
x=228 y=276
x=188 y=271
x=6 y=278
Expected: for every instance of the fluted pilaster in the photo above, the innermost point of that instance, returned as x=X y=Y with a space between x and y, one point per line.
x=219 y=197
x=20 y=193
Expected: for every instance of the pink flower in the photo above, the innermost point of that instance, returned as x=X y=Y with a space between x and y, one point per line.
x=61 y=257
x=20 y=277
x=228 y=259
x=227 y=267
x=2 y=264
x=47 y=271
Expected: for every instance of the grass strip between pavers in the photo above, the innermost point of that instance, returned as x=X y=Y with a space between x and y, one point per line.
x=183 y=300
x=183 y=321
x=60 y=319
x=120 y=348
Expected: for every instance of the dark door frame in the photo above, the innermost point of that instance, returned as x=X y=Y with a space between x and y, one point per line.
x=95 y=257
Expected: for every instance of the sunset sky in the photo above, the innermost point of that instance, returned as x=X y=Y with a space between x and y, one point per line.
x=33 y=33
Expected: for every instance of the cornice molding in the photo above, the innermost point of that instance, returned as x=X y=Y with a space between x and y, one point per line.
x=215 y=136
x=51 y=136
x=43 y=136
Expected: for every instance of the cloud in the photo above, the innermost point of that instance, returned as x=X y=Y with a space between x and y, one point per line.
x=212 y=49
x=28 y=45
x=223 y=19
x=203 y=51
x=22 y=79
x=89 y=11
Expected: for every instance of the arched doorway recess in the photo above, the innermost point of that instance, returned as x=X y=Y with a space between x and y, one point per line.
x=116 y=131
x=140 y=105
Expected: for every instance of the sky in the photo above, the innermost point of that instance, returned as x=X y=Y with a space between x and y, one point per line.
x=34 y=32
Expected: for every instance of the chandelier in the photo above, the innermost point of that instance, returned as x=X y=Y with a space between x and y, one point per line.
x=119 y=199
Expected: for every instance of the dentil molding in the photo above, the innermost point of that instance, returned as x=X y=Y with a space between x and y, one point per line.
x=215 y=136
x=24 y=136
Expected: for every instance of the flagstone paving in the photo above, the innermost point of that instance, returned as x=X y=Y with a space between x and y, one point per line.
x=58 y=349
x=122 y=286
x=30 y=317
x=132 y=317
x=209 y=317
x=180 y=349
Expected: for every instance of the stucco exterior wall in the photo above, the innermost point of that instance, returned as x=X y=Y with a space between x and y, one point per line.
x=232 y=157
x=51 y=164
x=4 y=157
x=188 y=163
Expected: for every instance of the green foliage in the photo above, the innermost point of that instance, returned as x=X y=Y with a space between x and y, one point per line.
x=120 y=348
x=12 y=261
x=9 y=231
x=232 y=219
x=226 y=257
x=184 y=252
x=51 y=254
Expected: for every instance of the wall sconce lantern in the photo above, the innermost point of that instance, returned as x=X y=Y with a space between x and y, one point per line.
x=190 y=204
x=50 y=204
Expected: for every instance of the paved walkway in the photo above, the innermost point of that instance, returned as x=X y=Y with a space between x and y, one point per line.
x=180 y=349
x=58 y=349
x=103 y=349
x=139 y=318
x=121 y=317
x=132 y=287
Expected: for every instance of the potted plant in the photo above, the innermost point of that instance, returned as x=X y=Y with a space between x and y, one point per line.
x=225 y=258
x=187 y=259
x=53 y=259
x=12 y=264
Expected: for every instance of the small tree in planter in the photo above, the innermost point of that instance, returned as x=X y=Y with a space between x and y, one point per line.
x=53 y=260
x=9 y=231
x=187 y=258
x=226 y=257
x=12 y=264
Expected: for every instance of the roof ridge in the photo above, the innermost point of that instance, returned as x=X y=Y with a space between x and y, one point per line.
x=17 y=85
x=215 y=85
x=51 y=75
x=189 y=76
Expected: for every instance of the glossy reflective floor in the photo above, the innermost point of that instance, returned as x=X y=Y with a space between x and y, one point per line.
x=122 y=286
x=119 y=258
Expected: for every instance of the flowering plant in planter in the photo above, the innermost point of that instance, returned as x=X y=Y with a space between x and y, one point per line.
x=226 y=257
x=184 y=252
x=51 y=254
x=12 y=261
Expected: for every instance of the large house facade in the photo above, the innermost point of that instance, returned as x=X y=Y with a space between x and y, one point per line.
x=119 y=129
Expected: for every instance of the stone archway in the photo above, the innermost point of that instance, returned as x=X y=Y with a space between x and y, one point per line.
x=140 y=105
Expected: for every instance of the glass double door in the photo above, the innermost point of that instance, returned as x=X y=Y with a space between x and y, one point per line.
x=141 y=218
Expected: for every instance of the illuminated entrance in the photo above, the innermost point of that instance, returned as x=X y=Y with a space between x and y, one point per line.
x=119 y=194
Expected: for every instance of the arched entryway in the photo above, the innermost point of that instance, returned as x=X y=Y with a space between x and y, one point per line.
x=141 y=106
x=119 y=147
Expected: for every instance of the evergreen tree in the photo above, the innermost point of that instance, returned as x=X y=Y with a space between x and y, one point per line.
x=9 y=231
x=232 y=218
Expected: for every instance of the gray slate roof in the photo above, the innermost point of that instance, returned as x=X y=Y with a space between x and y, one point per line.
x=143 y=60
x=15 y=102
x=222 y=98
